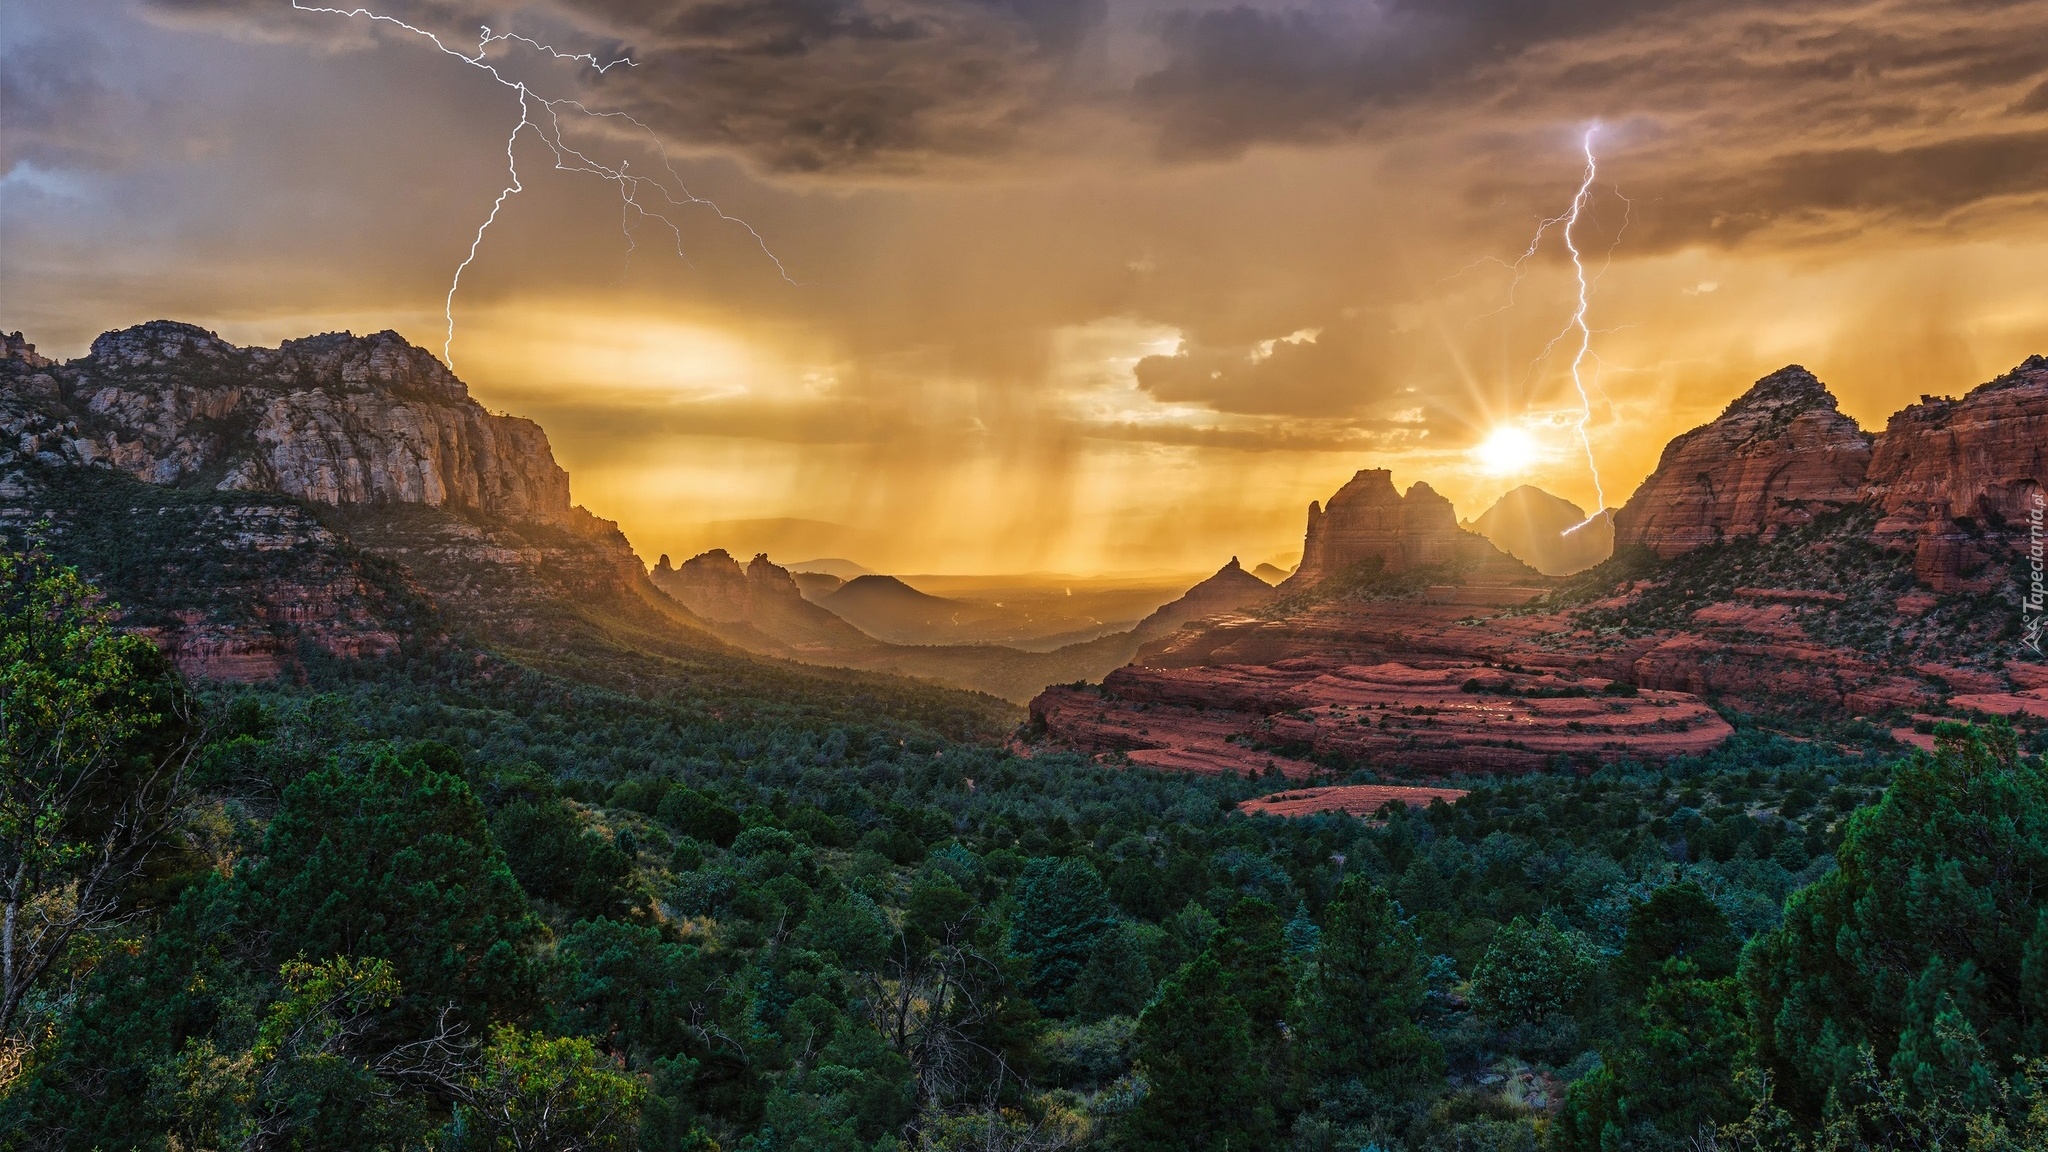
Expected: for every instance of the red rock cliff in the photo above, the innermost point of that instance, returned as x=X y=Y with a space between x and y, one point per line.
x=1953 y=477
x=1775 y=458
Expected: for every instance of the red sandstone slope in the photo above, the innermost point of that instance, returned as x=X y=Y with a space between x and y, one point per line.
x=1231 y=589
x=1350 y=799
x=1957 y=479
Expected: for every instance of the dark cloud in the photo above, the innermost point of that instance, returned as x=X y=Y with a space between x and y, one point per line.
x=51 y=99
x=1243 y=75
x=796 y=85
x=1825 y=195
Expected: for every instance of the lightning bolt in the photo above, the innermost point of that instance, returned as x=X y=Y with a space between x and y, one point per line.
x=1569 y=220
x=542 y=116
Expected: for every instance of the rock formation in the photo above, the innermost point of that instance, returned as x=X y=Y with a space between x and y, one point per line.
x=1367 y=520
x=1548 y=533
x=762 y=598
x=1956 y=478
x=1775 y=458
x=1231 y=589
x=14 y=346
x=470 y=507
x=334 y=419
x=1858 y=595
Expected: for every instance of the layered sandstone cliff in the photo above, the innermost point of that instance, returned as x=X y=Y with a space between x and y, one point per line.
x=336 y=492
x=1778 y=456
x=1955 y=479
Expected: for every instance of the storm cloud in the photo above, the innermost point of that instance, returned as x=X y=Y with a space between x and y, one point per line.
x=1047 y=257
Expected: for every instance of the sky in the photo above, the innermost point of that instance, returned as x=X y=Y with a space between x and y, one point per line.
x=1082 y=286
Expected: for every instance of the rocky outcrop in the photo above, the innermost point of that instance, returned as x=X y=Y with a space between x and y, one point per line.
x=13 y=346
x=1367 y=520
x=1954 y=480
x=1231 y=589
x=1548 y=533
x=1957 y=479
x=1778 y=456
x=711 y=584
x=335 y=419
x=331 y=494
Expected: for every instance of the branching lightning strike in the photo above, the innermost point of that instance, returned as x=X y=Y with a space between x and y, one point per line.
x=1569 y=218
x=547 y=125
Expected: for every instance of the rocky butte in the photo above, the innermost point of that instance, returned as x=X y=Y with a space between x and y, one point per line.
x=1779 y=560
x=1367 y=520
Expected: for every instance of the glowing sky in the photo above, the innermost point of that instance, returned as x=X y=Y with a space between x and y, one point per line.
x=1083 y=285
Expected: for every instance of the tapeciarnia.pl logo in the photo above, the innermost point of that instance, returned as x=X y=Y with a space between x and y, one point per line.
x=2036 y=595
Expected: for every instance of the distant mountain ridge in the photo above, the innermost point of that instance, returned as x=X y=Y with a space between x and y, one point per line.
x=759 y=608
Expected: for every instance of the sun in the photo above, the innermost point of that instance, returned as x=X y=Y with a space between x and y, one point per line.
x=1506 y=450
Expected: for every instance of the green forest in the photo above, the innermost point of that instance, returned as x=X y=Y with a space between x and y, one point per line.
x=454 y=899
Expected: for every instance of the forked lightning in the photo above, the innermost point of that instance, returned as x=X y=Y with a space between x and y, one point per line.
x=547 y=125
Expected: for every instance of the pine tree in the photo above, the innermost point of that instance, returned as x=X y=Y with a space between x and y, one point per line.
x=1677 y=921
x=1252 y=951
x=1117 y=980
x=1062 y=910
x=1203 y=1091
x=1361 y=1051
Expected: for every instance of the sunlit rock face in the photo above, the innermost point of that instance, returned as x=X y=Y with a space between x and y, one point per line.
x=329 y=494
x=1778 y=456
x=334 y=419
x=1954 y=480
x=1954 y=476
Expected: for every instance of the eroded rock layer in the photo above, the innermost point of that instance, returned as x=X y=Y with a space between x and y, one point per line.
x=1367 y=521
x=1448 y=719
